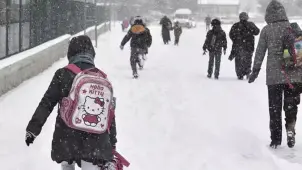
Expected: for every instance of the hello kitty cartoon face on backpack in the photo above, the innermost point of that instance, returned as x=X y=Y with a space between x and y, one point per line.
x=93 y=108
x=89 y=105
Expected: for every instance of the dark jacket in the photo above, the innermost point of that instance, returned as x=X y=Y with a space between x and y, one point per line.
x=243 y=35
x=166 y=27
x=215 y=40
x=177 y=30
x=272 y=40
x=166 y=23
x=140 y=37
x=69 y=144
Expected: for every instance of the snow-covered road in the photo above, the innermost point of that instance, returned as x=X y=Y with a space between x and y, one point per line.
x=171 y=118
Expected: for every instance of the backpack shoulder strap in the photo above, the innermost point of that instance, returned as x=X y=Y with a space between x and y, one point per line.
x=95 y=71
x=111 y=113
x=75 y=69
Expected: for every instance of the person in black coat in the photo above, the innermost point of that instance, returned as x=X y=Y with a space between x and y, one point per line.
x=70 y=145
x=166 y=27
x=177 y=32
x=214 y=43
x=243 y=36
x=141 y=40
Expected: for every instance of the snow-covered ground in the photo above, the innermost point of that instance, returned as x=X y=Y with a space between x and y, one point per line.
x=171 y=118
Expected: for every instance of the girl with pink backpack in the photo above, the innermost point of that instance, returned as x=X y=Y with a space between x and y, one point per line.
x=85 y=131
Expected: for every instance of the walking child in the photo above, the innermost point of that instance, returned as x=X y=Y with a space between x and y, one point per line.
x=177 y=32
x=214 y=43
x=283 y=72
x=141 y=40
x=85 y=128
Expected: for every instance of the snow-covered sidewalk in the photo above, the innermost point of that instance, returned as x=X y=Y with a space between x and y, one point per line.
x=171 y=118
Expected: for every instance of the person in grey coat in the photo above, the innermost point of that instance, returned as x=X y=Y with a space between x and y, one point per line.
x=278 y=82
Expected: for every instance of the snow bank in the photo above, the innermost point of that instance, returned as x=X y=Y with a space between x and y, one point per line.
x=31 y=62
x=18 y=68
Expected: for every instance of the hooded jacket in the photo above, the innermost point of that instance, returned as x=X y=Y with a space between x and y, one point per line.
x=215 y=40
x=243 y=35
x=68 y=144
x=140 y=37
x=272 y=40
x=177 y=30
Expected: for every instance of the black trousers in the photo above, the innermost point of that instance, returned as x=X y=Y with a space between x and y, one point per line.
x=290 y=106
x=214 y=56
x=134 y=58
x=176 y=40
x=243 y=63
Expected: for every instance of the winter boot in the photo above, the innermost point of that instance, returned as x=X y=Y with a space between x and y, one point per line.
x=209 y=76
x=216 y=77
x=240 y=77
x=275 y=144
x=290 y=131
x=291 y=141
x=135 y=75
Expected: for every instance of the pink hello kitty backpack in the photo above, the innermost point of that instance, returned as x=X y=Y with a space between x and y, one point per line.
x=89 y=105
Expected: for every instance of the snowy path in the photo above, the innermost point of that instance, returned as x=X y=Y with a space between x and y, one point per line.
x=172 y=118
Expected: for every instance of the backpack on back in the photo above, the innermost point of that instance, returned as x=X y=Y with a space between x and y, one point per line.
x=89 y=106
x=292 y=55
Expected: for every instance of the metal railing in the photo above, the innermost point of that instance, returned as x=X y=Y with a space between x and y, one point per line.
x=25 y=24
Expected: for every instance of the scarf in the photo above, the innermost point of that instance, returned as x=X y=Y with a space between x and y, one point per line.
x=82 y=58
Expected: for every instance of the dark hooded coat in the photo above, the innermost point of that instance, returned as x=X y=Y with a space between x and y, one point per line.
x=177 y=30
x=69 y=144
x=272 y=40
x=220 y=41
x=166 y=27
x=243 y=36
x=140 y=37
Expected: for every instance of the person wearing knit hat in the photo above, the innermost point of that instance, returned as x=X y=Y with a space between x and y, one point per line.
x=81 y=50
x=243 y=36
x=243 y=16
x=282 y=84
x=214 y=43
x=70 y=146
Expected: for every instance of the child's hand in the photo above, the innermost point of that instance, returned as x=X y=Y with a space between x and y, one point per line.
x=204 y=52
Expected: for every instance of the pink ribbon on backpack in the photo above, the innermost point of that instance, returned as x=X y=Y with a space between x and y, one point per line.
x=121 y=158
x=291 y=86
x=295 y=61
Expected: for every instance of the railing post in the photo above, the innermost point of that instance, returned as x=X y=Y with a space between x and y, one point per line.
x=85 y=17
x=7 y=27
x=96 y=24
x=20 y=25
